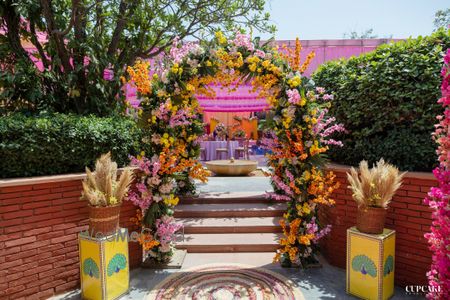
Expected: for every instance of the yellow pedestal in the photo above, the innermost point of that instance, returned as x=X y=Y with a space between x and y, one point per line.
x=104 y=266
x=370 y=264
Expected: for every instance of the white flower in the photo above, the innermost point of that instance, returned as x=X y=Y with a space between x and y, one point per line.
x=164 y=247
x=166 y=188
x=153 y=181
x=164 y=78
x=156 y=138
x=192 y=62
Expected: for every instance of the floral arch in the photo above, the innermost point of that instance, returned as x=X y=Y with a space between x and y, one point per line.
x=298 y=139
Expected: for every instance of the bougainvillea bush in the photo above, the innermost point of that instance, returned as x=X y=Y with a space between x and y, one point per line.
x=299 y=136
x=438 y=198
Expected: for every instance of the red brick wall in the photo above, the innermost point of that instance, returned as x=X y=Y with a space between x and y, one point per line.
x=39 y=224
x=407 y=214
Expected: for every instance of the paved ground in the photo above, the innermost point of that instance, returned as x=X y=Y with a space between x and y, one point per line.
x=325 y=283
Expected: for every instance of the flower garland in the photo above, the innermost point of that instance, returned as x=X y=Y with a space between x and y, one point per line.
x=300 y=134
x=438 y=198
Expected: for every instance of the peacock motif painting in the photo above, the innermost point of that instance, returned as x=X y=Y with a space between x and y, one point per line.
x=117 y=263
x=90 y=268
x=363 y=264
x=388 y=265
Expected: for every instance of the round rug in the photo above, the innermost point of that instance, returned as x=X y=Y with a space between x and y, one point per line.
x=225 y=282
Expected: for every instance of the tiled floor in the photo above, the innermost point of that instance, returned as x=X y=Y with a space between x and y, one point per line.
x=325 y=283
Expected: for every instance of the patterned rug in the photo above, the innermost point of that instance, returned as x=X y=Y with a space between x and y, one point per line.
x=225 y=281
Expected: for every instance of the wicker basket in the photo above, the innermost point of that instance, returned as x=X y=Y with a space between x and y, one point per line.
x=103 y=220
x=371 y=220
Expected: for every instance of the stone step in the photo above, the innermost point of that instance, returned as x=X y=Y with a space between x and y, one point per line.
x=226 y=197
x=231 y=225
x=229 y=210
x=230 y=242
x=257 y=259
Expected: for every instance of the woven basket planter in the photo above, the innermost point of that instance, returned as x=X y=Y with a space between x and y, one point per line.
x=371 y=220
x=104 y=220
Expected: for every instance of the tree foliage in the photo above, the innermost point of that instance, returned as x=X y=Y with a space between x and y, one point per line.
x=366 y=34
x=442 y=19
x=83 y=38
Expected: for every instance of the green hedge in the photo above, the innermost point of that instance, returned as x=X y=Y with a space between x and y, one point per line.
x=57 y=144
x=387 y=101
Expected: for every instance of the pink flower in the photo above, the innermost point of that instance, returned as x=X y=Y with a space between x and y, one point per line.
x=293 y=96
x=260 y=53
x=320 y=90
x=438 y=199
x=243 y=40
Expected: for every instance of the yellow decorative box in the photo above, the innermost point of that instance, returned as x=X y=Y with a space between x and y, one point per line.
x=104 y=266
x=370 y=264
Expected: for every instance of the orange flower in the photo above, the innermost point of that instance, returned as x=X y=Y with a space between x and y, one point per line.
x=140 y=77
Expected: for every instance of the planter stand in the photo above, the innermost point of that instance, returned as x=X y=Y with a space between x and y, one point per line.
x=175 y=262
x=370 y=264
x=104 y=266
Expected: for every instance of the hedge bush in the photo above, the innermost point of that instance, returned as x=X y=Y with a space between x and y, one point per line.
x=387 y=101
x=58 y=143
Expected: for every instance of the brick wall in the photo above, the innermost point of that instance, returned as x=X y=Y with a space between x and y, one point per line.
x=39 y=223
x=407 y=214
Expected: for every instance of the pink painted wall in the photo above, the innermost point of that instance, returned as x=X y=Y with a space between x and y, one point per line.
x=327 y=50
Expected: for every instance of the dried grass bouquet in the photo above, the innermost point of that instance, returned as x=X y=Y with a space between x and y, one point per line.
x=101 y=188
x=374 y=187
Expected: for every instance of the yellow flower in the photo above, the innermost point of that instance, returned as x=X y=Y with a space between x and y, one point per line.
x=306 y=175
x=113 y=200
x=171 y=200
x=220 y=37
x=174 y=68
x=306 y=208
x=302 y=102
x=294 y=81
x=190 y=87
x=208 y=63
x=155 y=76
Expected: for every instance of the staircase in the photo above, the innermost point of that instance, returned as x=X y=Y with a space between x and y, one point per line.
x=229 y=222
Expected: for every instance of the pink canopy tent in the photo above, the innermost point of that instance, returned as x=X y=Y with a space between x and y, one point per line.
x=240 y=100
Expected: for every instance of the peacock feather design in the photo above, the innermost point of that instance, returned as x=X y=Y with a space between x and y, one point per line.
x=117 y=263
x=388 y=265
x=90 y=268
x=363 y=264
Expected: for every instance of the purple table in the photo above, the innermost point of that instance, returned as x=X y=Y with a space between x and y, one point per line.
x=211 y=146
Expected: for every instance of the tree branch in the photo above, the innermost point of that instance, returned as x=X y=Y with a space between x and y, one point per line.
x=120 y=25
x=37 y=44
x=59 y=41
x=12 y=22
